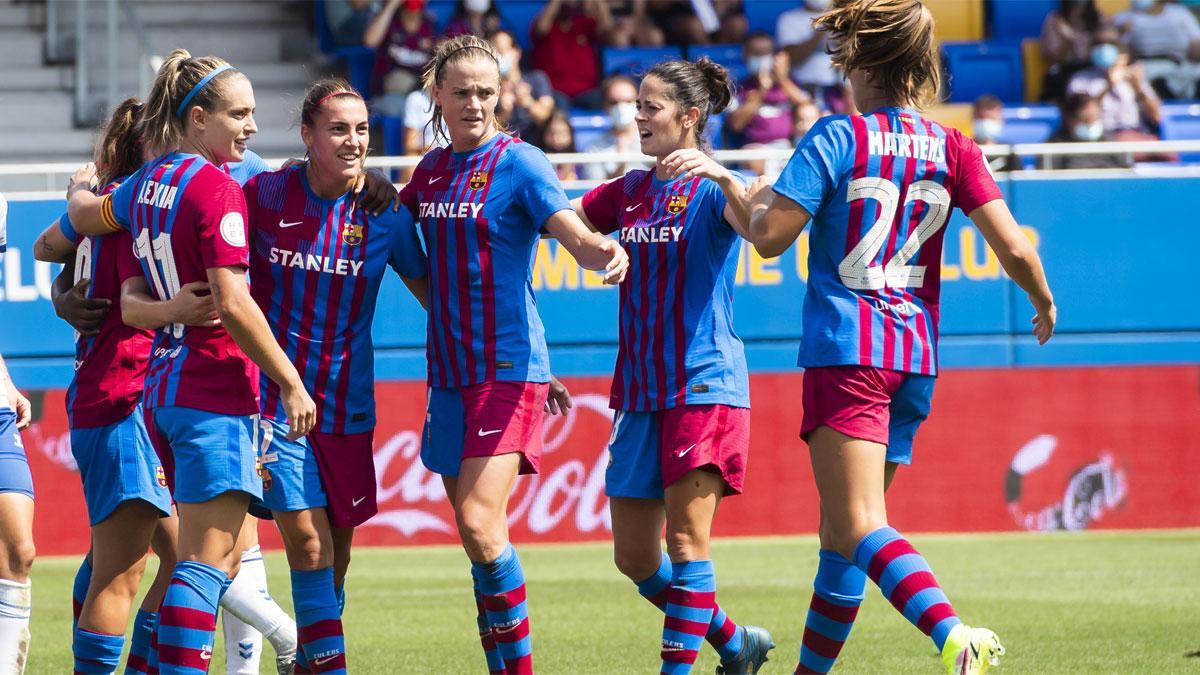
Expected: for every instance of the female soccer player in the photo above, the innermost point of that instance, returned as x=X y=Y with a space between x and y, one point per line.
x=482 y=203
x=316 y=264
x=16 y=514
x=681 y=392
x=187 y=218
x=878 y=188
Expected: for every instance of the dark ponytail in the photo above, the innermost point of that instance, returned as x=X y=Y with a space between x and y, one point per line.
x=702 y=84
x=119 y=151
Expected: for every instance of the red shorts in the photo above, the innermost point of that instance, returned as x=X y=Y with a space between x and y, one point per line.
x=346 y=463
x=484 y=420
x=871 y=404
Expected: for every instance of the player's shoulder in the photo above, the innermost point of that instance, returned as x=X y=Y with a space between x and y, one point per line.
x=269 y=189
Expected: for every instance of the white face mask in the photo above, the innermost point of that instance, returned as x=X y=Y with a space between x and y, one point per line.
x=505 y=63
x=622 y=114
x=987 y=129
x=479 y=6
x=817 y=5
x=757 y=64
x=1141 y=5
x=1089 y=132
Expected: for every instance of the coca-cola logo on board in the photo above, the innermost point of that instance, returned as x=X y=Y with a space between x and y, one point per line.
x=1091 y=491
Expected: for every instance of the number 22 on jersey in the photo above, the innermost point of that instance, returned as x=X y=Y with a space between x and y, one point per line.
x=857 y=270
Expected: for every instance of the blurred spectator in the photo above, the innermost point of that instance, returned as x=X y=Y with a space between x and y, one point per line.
x=1067 y=35
x=811 y=64
x=419 y=134
x=1165 y=39
x=699 y=22
x=473 y=17
x=631 y=27
x=1127 y=102
x=558 y=136
x=526 y=99
x=1082 y=123
x=803 y=118
x=566 y=35
x=620 y=102
x=347 y=19
x=762 y=117
x=403 y=36
x=987 y=119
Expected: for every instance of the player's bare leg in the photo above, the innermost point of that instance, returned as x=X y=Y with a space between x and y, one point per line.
x=637 y=527
x=119 y=546
x=16 y=559
x=308 y=544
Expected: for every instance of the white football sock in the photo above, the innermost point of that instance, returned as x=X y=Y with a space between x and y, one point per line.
x=16 y=602
x=248 y=602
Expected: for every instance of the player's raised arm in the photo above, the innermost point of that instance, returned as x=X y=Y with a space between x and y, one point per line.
x=591 y=250
x=775 y=221
x=56 y=243
x=1020 y=260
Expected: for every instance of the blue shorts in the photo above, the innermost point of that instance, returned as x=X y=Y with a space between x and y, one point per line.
x=14 y=466
x=117 y=463
x=291 y=479
x=213 y=453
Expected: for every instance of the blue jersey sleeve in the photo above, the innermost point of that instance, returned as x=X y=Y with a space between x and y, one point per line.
x=811 y=175
x=535 y=185
x=406 y=257
x=250 y=166
x=718 y=201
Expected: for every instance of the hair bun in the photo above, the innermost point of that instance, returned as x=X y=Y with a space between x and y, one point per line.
x=718 y=83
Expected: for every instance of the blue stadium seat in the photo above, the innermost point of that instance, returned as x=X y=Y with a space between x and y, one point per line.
x=360 y=62
x=1183 y=127
x=978 y=68
x=518 y=16
x=442 y=10
x=635 y=60
x=729 y=56
x=762 y=14
x=321 y=27
x=588 y=127
x=1016 y=19
x=393 y=134
x=1029 y=124
x=716 y=131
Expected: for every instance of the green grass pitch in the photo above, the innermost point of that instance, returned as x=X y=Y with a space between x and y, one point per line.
x=1062 y=603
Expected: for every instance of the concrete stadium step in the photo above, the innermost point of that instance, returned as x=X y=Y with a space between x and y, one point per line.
x=34 y=79
x=43 y=112
x=20 y=47
x=21 y=16
x=224 y=12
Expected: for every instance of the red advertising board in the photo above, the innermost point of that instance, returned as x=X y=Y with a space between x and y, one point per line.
x=1003 y=450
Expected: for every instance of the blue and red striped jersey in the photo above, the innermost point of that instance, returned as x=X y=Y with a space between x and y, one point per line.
x=676 y=344
x=110 y=366
x=481 y=213
x=315 y=269
x=880 y=188
x=187 y=216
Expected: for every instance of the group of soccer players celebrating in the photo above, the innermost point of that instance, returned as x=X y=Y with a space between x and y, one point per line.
x=208 y=393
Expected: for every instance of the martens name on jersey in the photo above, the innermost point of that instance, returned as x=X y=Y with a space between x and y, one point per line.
x=315 y=263
x=157 y=194
x=443 y=210
x=928 y=148
x=650 y=235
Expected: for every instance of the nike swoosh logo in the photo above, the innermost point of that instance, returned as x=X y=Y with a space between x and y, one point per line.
x=283 y=225
x=356 y=502
x=323 y=661
x=629 y=209
x=435 y=179
x=483 y=433
x=681 y=453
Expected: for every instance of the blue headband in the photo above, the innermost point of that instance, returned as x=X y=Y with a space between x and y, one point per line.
x=200 y=85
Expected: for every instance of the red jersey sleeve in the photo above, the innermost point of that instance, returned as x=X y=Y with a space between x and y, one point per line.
x=221 y=224
x=602 y=205
x=973 y=184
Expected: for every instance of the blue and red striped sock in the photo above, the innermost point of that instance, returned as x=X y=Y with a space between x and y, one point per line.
x=96 y=652
x=838 y=590
x=723 y=634
x=907 y=582
x=691 y=603
x=187 y=620
x=83 y=579
x=502 y=586
x=138 y=662
x=318 y=621
x=491 y=651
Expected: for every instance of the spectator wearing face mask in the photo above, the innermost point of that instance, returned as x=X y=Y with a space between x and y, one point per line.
x=1165 y=39
x=474 y=17
x=811 y=65
x=1127 y=102
x=566 y=36
x=762 y=117
x=526 y=99
x=402 y=35
x=1067 y=43
x=987 y=126
x=1082 y=123
x=803 y=119
x=620 y=101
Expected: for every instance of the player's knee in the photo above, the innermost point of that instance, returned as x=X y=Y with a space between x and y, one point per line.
x=481 y=530
x=309 y=554
x=18 y=559
x=686 y=544
x=636 y=564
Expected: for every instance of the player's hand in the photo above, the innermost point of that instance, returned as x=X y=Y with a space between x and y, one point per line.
x=559 y=400
x=85 y=314
x=84 y=178
x=21 y=405
x=194 y=305
x=692 y=162
x=300 y=409
x=1043 y=323
x=618 y=263
x=375 y=192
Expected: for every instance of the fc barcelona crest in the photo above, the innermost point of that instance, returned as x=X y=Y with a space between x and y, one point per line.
x=352 y=234
x=677 y=204
x=477 y=180
x=160 y=476
x=266 y=478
